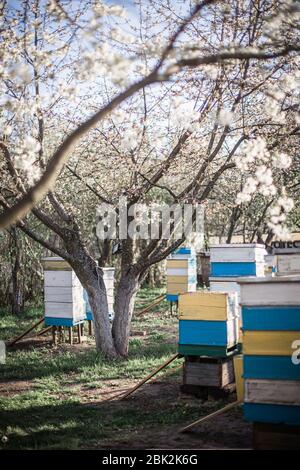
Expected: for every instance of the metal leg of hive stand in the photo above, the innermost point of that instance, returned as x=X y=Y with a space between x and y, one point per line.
x=90 y=327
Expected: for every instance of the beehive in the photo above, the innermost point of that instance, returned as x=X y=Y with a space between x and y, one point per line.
x=234 y=260
x=271 y=324
x=108 y=278
x=288 y=264
x=64 y=304
x=227 y=260
x=207 y=321
x=181 y=273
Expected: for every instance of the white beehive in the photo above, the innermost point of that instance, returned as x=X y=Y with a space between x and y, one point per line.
x=63 y=293
x=109 y=279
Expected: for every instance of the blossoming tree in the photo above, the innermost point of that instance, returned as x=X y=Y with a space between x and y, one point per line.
x=154 y=108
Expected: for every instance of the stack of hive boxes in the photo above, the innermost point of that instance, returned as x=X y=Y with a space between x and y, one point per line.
x=181 y=273
x=230 y=261
x=208 y=323
x=64 y=304
x=271 y=330
x=108 y=278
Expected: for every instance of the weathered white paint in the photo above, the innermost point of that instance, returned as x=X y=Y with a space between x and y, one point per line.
x=231 y=253
x=270 y=291
x=288 y=264
x=272 y=391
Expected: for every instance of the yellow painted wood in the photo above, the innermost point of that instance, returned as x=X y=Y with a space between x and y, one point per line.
x=207 y=299
x=177 y=279
x=201 y=312
x=59 y=265
x=177 y=263
x=177 y=288
x=269 y=343
x=214 y=306
x=238 y=372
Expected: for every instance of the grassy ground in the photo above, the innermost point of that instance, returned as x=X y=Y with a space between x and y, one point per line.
x=55 y=397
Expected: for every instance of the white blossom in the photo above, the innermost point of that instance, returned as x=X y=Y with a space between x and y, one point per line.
x=281 y=160
x=225 y=117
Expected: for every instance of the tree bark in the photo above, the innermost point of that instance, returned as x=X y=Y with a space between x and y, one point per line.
x=124 y=305
x=96 y=292
x=17 y=294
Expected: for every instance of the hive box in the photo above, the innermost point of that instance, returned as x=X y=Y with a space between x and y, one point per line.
x=271 y=322
x=108 y=278
x=64 y=304
x=231 y=260
x=288 y=264
x=272 y=391
x=208 y=333
x=181 y=273
x=214 y=306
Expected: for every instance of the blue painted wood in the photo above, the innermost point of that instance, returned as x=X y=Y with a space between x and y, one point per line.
x=183 y=251
x=286 y=318
x=89 y=316
x=264 y=413
x=52 y=321
x=206 y=333
x=232 y=269
x=270 y=367
x=172 y=297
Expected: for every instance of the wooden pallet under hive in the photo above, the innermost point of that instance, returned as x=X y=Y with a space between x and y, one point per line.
x=208 y=376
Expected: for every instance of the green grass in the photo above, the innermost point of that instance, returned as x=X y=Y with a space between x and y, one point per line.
x=60 y=408
x=54 y=394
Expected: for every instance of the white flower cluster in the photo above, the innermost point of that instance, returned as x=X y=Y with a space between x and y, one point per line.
x=281 y=160
x=272 y=107
x=278 y=215
x=252 y=151
x=184 y=115
x=225 y=117
x=130 y=139
x=25 y=156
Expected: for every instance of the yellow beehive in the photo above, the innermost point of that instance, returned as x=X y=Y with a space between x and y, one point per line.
x=173 y=288
x=211 y=306
x=178 y=263
x=269 y=343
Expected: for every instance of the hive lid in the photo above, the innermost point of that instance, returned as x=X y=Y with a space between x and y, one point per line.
x=270 y=280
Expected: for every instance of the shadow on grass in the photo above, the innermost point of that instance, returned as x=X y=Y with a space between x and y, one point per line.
x=43 y=362
x=70 y=425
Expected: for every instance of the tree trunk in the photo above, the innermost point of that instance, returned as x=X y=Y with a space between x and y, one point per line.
x=17 y=294
x=124 y=305
x=96 y=292
x=91 y=278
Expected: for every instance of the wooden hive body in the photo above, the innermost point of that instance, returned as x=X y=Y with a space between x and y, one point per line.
x=232 y=260
x=64 y=304
x=181 y=273
x=271 y=323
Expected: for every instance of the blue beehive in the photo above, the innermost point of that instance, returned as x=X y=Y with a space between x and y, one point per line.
x=271 y=331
